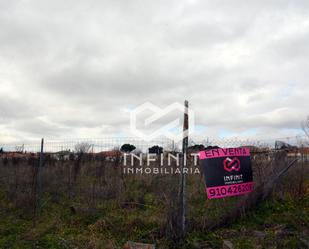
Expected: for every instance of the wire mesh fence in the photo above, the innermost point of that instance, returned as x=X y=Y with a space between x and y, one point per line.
x=95 y=145
x=94 y=181
x=115 y=143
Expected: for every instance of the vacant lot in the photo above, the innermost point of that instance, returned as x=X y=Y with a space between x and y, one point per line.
x=89 y=203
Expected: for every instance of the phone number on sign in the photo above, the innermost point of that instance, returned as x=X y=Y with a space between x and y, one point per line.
x=229 y=190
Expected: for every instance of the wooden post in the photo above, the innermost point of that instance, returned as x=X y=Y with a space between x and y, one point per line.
x=183 y=196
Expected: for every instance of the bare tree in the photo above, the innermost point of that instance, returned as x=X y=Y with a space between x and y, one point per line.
x=305 y=126
x=82 y=147
x=19 y=148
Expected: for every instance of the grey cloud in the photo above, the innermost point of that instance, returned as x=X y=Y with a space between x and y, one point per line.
x=16 y=109
x=39 y=127
x=241 y=64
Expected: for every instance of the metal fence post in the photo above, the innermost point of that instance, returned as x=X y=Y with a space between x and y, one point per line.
x=38 y=183
x=183 y=195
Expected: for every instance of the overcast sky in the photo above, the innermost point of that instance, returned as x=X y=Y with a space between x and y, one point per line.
x=76 y=68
